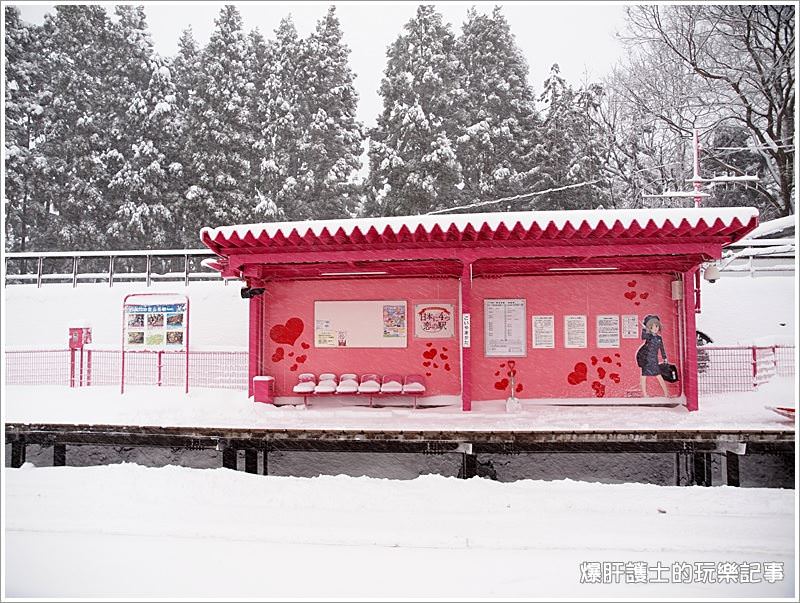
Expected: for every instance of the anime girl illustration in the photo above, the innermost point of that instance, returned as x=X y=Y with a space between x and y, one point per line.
x=647 y=355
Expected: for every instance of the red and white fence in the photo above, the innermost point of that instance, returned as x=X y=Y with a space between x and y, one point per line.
x=720 y=368
x=225 y=370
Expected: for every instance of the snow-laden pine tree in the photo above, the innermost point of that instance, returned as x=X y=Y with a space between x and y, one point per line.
x=500 y=122
x=413 y=163
x=24 y=208
x=219 y=133
x=332 y=135
x=570 y=150
x=150 y=182
x=80 y=141
x=282 y=123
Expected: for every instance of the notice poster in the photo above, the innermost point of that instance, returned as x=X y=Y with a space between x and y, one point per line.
x=544 y=332
x=155 y=327
x=433 y=321
x=506 y=326
x=630 y=326
x=575 y=331
x=608 y=331
x=394 y=321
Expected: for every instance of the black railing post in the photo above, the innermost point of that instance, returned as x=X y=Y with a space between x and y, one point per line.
x=59 y=455
x=17 y=453
x=251 y=460
x=732 y=468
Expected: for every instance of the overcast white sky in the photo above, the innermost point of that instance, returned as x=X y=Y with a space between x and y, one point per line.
x=580 y=37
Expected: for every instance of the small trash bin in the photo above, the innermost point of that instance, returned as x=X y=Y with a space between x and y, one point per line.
x=264 y=389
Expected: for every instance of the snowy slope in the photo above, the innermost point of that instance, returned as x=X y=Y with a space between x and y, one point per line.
x=131 y=531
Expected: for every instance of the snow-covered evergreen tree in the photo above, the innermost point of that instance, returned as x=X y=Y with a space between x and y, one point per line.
x=149 y=184
x=332 y=138
x=499 y=131
x=79 y=143
x=25 y=210
x=569 y=150
x=219 y=132
x=413 y=163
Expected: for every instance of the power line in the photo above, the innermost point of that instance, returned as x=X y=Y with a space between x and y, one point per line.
x=514 y=198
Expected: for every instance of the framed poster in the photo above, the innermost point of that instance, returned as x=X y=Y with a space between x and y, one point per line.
x=575 y=331
x=608 y=330
x=360 y=324
x=433 y=320
x=155 y=327
x=630 y=326
x=543 y=332
x=505 y=327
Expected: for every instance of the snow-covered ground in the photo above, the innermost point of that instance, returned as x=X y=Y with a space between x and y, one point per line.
x=131 y=531
x=232 y=408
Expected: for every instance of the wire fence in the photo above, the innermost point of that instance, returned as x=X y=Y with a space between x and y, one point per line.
x=221 y=370
x=720 y=368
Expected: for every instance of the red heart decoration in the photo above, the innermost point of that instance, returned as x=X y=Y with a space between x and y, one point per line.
x=301 y=359
x=435 y=365
x=447 y=367
x=614 y=377
x=278 y=355
x=512 y=364
x=630 y=294
x=305 y=346
x=617 y=355
x=599 y=389
x=601 y=372
x=497 y=373
x=519 y=387
x=637 y=303
x=607 y=359
x=578 y=375
x=427 y=374
x=293 y=367
x=430 y=354
x=444 y=349
x=502 y=384
x=426 y=363
x=594 y=360
x=619 y=364
x=287 y=333
x=631 y=283
x=291 y=354
x=429 y=344
x=581 y=368
x=443 y=356
x=644 y=295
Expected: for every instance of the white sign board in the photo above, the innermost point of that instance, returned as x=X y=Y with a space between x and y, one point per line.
x=575 y=331
x=608 y=331
x=630 y=326
x=466 y=332
x=505 y=327
x=544 y=332
x=155 y=327
x=360 y=324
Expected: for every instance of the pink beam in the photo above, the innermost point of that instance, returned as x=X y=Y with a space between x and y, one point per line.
x=710 y=249
x=466 y=309
x=690 y=342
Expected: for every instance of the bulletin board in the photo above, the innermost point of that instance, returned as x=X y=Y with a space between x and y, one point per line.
x=361 y=324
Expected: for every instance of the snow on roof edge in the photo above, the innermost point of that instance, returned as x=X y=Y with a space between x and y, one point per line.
x=576 y=218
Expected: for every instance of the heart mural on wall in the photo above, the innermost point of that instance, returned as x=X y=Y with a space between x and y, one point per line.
x=632 y=295
x=580 y=373
x=504 y=382
x=430 y=356
x=287 y=334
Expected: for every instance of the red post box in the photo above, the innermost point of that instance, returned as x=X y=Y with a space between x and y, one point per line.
x=79 y=336
x=263 y=389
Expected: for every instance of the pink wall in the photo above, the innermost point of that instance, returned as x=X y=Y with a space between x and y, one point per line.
x=289 y=317
x=545 y=373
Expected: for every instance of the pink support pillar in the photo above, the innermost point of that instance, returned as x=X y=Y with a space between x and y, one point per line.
x=256 y=338
x=690 y=342
x=466 y=316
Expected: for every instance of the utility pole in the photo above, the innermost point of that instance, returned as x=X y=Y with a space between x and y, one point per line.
x=698 y=181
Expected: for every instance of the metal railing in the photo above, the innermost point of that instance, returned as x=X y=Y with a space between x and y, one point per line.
x=720 y=368
x=173 y=265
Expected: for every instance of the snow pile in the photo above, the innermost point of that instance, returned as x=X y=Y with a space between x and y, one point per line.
x=130 y=531
x=221 y=408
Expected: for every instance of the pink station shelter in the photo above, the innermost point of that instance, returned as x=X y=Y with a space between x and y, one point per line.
x=550 y=303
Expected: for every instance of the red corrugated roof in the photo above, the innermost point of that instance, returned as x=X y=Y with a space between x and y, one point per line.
x=595 y=226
